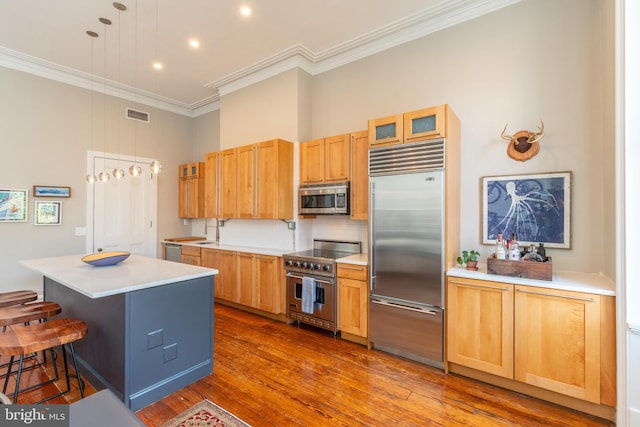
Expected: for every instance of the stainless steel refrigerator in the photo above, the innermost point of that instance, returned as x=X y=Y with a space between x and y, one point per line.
x=406 y=305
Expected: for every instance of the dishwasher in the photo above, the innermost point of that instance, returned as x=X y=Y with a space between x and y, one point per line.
x=173 y=252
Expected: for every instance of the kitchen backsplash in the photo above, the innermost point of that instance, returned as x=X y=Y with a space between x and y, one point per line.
x=275 y=234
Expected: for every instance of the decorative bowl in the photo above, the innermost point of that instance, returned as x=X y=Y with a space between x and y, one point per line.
x=101 y=259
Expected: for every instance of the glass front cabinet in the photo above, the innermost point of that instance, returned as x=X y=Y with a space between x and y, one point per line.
x=419 y=125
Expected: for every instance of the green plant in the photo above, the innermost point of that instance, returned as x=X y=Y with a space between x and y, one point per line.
x=468 y=256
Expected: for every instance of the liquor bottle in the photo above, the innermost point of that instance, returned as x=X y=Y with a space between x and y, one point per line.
x=542 y=252
x=514 y=249
x=501 y=252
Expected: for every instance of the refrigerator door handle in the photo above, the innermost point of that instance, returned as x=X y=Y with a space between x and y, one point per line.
x=404 y=307
x=372 y=204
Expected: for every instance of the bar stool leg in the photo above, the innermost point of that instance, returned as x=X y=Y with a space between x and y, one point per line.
x=15 y=394
x=8 y=374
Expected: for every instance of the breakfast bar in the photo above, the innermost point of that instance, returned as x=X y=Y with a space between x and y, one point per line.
x=150 y=322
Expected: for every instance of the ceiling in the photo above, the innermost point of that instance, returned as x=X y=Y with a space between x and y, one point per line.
x=49 y=39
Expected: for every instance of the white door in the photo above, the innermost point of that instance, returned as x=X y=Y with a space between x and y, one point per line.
x=122 y=212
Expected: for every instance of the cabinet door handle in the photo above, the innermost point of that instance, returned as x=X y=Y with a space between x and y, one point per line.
x=479 y=286
x=549 y=294
x=342 y=267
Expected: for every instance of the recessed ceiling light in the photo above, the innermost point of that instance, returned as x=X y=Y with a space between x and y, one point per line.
x=157 y=66
x=245 y=10
x=194 y=43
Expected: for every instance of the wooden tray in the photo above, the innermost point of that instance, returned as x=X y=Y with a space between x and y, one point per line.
x=523 y=269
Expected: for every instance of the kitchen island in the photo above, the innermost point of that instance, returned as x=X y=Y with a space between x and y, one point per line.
x=150 y=322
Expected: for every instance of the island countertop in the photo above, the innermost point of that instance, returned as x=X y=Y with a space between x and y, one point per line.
x=135 y=273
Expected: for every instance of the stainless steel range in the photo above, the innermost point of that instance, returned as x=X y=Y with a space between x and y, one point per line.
x=311 y=282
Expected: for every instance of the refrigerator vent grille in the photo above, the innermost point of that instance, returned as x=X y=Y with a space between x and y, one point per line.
x=407 y=158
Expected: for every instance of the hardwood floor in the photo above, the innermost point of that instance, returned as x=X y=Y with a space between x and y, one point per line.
x=272 y=374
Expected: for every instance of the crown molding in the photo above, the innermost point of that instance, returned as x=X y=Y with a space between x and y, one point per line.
x=52 y=71
x=443 y=15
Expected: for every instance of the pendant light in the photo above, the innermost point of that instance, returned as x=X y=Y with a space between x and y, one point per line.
x=155 y=166
x=104 y=175
x=118 y=173
x=135 y=170
x=91 y=177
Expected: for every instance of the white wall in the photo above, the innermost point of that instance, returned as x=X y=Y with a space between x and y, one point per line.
x=534 y=60
x=45 y=132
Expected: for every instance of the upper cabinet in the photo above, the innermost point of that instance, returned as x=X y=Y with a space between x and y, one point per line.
x=265 y=180
x=191 y=190
x=220 y=184
x=419 y=125
x=386 y=130
x=325 y=160
x=427 y=123
x=360 y=175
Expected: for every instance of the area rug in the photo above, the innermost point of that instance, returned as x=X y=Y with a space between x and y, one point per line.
x=207 y=414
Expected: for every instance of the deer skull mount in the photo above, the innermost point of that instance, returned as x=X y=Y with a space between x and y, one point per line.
x=523 y=145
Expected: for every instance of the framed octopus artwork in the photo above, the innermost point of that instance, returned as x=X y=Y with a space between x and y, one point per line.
x=537 y=208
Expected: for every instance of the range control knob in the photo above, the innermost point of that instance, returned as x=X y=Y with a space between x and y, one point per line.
x=326 y=268
x=316 y=267
x=288 y=263
x=296 y=264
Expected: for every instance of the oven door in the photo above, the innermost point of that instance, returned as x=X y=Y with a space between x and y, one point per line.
x=324 y=301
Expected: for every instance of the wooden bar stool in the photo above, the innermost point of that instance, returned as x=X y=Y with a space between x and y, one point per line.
x=17 y=297
x=26 y=313
x=29 y=312
x=22 y=340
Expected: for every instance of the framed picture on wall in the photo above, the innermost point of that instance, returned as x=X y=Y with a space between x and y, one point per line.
x=13 y=205
x=48 y=191
x=48 y=213
x=537 y=208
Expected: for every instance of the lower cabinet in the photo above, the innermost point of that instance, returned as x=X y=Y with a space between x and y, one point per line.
x=248 y=279
x=224 y=283
x=555 y=340
x=191 y=255
x=480 y=325
x=353 y=300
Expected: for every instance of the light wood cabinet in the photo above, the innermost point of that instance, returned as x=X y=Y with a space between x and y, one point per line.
x=265 y=180
x=386 y=130
x=228 y=183
x=553 y=340
x=353 y=300
x=191 y=189
x=269 y=289
x=252 y=280
x=480 y=325
x=427 y=123
x=191 y=255
x=557 y=341
x=325 y=160
x=225 y=282
x=246 y=279
x=418 y=125
x=359 y=175
x=212 y=185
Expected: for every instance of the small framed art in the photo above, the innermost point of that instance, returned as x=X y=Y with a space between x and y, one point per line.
x=13 y=205
x=49 y=191
x=48 y=213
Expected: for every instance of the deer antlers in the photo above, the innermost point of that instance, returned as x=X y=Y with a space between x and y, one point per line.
x=523 y=145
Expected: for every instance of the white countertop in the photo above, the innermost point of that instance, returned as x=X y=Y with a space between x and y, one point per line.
x=357 y=259
x=135 y=273
x=563 y=280
x=234 y=248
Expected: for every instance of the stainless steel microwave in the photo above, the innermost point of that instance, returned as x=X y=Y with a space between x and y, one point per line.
x=324 y=199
